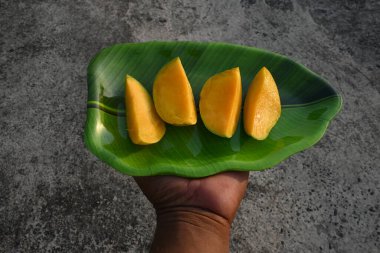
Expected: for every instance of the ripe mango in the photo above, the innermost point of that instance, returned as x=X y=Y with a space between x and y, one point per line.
x=220 y=102
x=262 y=105
x=173 y=96
x=143 y=123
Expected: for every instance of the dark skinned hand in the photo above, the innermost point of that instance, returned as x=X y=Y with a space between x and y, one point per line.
x=194 y=215
x=220 y=193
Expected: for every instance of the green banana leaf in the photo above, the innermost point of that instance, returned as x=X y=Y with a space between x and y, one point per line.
x=308 y=105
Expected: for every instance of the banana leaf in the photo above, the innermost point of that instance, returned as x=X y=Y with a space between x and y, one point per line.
x=308 y=103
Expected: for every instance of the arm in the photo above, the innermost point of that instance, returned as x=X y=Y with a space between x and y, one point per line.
x=191 y=230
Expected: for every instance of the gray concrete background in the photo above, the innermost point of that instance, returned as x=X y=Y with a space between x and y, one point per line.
x=55 y=196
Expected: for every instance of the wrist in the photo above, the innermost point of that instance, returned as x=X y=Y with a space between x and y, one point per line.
x=190 y=229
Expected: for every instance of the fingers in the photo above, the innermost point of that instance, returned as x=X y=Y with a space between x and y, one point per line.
x=241 y=176
x=141 y=180
x=238 y=176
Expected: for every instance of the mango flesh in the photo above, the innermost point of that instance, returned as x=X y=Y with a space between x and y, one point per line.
x=173 y=96
x=262 y=105
x=143 y=123
x=220 y=102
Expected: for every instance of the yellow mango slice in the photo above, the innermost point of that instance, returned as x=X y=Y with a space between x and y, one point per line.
x=143 y=123
x=220 y=102
x=262 y=105
x=173 y=96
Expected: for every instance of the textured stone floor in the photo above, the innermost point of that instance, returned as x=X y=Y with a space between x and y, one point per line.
x=55 y=196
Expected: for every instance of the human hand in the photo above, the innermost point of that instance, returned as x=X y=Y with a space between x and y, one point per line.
x=220 y=193
x=193 y=206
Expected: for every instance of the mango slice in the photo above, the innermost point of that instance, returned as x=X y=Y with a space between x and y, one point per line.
x=143 y=123
x=262 y=105
x=220 y=102
x=173 y=96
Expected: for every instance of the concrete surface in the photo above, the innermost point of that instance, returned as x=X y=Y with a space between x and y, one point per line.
x=57 y=197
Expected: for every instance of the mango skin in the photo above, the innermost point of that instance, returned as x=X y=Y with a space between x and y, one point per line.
x=173 y=96
x=262 y=105
x=144 y=126
x=220 y=102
